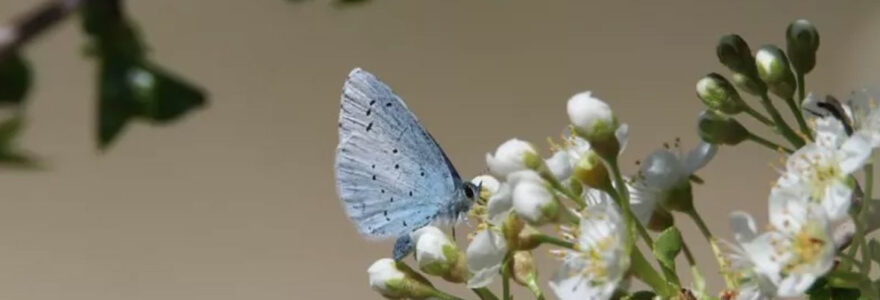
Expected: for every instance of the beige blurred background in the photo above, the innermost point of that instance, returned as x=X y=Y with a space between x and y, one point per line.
x=237 y=201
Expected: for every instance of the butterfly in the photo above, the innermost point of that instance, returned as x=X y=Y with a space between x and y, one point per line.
x=391 y=175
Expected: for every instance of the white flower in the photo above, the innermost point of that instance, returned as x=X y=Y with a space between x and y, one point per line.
x=484 y=256
x=590 y=116
x=819 y=172
x=511 y=156
x=752 y=285
x=663 y=175
x=560 y=164
x=797 y=251
x=431 y=246
x=534 y=201
x=595 y=269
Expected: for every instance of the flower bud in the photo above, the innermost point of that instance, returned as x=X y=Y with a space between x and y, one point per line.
x=802 y=41
x=535 y=202
x=437 y=255
x=594 y=121
x=511 y=156
x=716 y=129
x=774 y=70
x=734 y=53
x=718 y=94
x=591 y=171
x=559 y=165
x=524 y=271
x=748 y=84
x=394 y=280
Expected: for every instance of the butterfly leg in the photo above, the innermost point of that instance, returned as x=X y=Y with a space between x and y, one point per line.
x=402 y=247
x=453 y=233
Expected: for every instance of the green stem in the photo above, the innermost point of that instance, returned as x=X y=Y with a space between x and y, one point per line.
x=549 y=239
x=484 y=294
x=802 y=88
x=536 y=290
x=713 y=243
x=844 y=279
x=623 y=201
x=559 y=187
x=781 y=126
x=766 y=143
x=799 y=116
x=758 y=116
x=639 y=227
x=505 y=279
x=644 y=272
x=865 y=268
x=444 y=296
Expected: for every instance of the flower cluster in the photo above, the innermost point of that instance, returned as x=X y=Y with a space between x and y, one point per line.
x=575 y=200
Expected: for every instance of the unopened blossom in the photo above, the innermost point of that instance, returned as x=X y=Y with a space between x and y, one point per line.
x=597 y=265
x=594 y=120
x=560 y=165
x=438 y=255
x=534 y=201
x=511 y=156
x=394 y=280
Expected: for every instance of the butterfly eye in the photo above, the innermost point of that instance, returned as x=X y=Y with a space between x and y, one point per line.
x=469 y=190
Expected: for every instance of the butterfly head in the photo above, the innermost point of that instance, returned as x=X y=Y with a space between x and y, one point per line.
x=471 y=191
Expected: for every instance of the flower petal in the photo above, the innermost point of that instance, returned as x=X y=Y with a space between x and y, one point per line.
x=484 y=256
x=622 y=135
x=699 y=157
x=854 y=152
x=743 y=227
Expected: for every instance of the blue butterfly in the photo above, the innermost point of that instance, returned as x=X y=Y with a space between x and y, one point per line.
x=391 y=175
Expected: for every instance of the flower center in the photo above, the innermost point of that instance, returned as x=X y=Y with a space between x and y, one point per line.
x=807 y=248
x=821 y=175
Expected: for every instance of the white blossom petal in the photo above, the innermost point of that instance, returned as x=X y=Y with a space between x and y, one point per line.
x=484 y=256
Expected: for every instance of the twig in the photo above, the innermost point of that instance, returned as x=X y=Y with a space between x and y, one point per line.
x=26 y=27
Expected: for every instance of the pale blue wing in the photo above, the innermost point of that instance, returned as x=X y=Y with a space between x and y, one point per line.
x=391 y=175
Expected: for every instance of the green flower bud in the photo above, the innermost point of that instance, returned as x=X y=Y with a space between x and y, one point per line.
x=719 y=129
x=734 y=53
x=749 y=85
x=718 y=94
x=590 y=171
x=802 y=41
x=774 y=70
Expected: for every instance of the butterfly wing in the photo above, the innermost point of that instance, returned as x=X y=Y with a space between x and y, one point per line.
x=391 y=175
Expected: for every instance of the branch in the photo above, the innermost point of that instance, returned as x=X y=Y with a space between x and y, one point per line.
x=30 y=25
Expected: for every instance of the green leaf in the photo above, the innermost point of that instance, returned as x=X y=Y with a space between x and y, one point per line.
x=667 y=246
x=15 y=79
x=130 y=90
